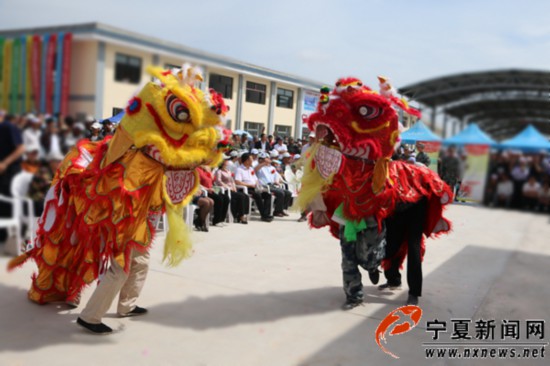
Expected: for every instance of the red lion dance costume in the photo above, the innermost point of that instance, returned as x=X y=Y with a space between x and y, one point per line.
x=380 y=209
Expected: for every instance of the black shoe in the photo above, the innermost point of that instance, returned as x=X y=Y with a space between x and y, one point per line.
x=352 y=303
x=137 y=311
x=204 y=228
x=374 y=276
x=94 y=328
x=267 y=218
x=197 y=224
x=387 y=286
x=412 y=300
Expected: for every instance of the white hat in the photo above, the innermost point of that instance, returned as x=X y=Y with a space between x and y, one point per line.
x=233 y=154
x=55 y=155
x=32 y=147
x=274 y=153
x=286 y=155
x=262 y=155
x=80 y=126
x=312 y=134
x=297 y=156
x=225 y=157
x=254 y=151
x=276 y=161
x=96 y=125
x=89 y=119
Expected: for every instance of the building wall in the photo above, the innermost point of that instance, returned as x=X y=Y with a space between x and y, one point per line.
x=253 y=112
x=232 y=103
x=286 y=116
x=83 y=78
x=117 y=94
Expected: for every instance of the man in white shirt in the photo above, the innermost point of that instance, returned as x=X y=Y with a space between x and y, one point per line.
x=268 y=176
x=280 y=146
x=33 y=132
x=254 y=153
x=310 y=142
x=246 y=176
x=232 y=164
x=505 y=190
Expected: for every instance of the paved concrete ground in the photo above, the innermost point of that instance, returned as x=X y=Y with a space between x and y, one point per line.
x=269 y=294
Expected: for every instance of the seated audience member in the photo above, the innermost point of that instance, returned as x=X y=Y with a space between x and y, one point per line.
x=76 y=134
x=254 y=153
x=31 y=164
x=221 y=201
x=240 y=201
x=293 y=177
x=279 y=146
x=530 y=192
x=246 y=176
x=544 y=196
x=268 y=176
x=205 y=206
x=41 y=181
x=95 y=132
x=504 y=191
x=233 y=161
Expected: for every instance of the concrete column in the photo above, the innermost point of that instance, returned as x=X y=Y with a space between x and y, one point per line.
x=299 y=111
x=445 y=125
x=455 y=127
x=99 y=80
x=240 y=101
x=271 y=106
x=432 y=123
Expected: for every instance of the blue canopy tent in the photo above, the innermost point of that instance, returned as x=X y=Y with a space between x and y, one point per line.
x=528 y=140
x=471 y=135
x=114 y=119
x=418 y=132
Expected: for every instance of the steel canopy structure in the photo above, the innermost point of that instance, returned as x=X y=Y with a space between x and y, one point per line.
x=502 y=102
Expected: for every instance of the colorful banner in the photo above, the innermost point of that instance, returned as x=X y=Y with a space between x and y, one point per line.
x=431 y=148
x=45 y=41
x=2 y=40
x=6 y=78
x=35 y=72
x=66 y=73
x=23 y=87
x=475 y=173
x=50 y=63
x=28 y=84
x=57 y=74
x=15 y=76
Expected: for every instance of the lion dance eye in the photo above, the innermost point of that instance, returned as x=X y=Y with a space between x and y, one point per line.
x=177 y=109
x=368 y=112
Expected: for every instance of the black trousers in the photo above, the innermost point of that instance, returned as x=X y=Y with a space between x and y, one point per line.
x=240 y=204
x=263 y=201
x=221 y=204
x=283 y=198
x=406 y=225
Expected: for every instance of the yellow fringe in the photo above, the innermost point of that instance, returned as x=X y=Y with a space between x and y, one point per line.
x=381 y=173
x=312 y=182
x=177 y=245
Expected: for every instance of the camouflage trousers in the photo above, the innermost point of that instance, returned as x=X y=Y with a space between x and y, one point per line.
x=367 y=251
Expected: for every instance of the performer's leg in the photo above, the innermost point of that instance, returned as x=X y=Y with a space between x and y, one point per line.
x=395 y=233
x=416 y=216
x=134 y=283
x=353 y=287
x=104 y=294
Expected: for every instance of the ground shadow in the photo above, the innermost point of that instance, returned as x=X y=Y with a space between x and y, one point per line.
x=225 y=311
x=475 y=283
x=25 y=325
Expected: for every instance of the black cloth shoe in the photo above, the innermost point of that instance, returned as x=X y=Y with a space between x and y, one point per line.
x=412 y=300
x=387 y=286
x=137 y=311
x=374 y=276
x=94 y=328
x=267 y=218
x=352 y=303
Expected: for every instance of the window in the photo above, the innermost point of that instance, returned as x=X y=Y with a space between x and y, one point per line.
x=285 y=98
x=127 y=68
x=171 y=66
x=255 y=93
x=254 y=128
x=221 y=84
x=283 y=131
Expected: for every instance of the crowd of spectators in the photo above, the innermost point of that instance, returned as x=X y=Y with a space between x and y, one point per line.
x=519 y=181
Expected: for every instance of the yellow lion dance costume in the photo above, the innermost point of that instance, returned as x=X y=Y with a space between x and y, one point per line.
x=107 y=196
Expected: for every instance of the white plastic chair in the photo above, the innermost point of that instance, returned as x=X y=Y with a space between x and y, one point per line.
x=12 y=223
x=19 y=190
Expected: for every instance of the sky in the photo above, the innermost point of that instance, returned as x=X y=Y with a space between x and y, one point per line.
x=408 y=41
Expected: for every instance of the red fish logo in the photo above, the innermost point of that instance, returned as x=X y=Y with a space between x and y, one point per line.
x=410 y=317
